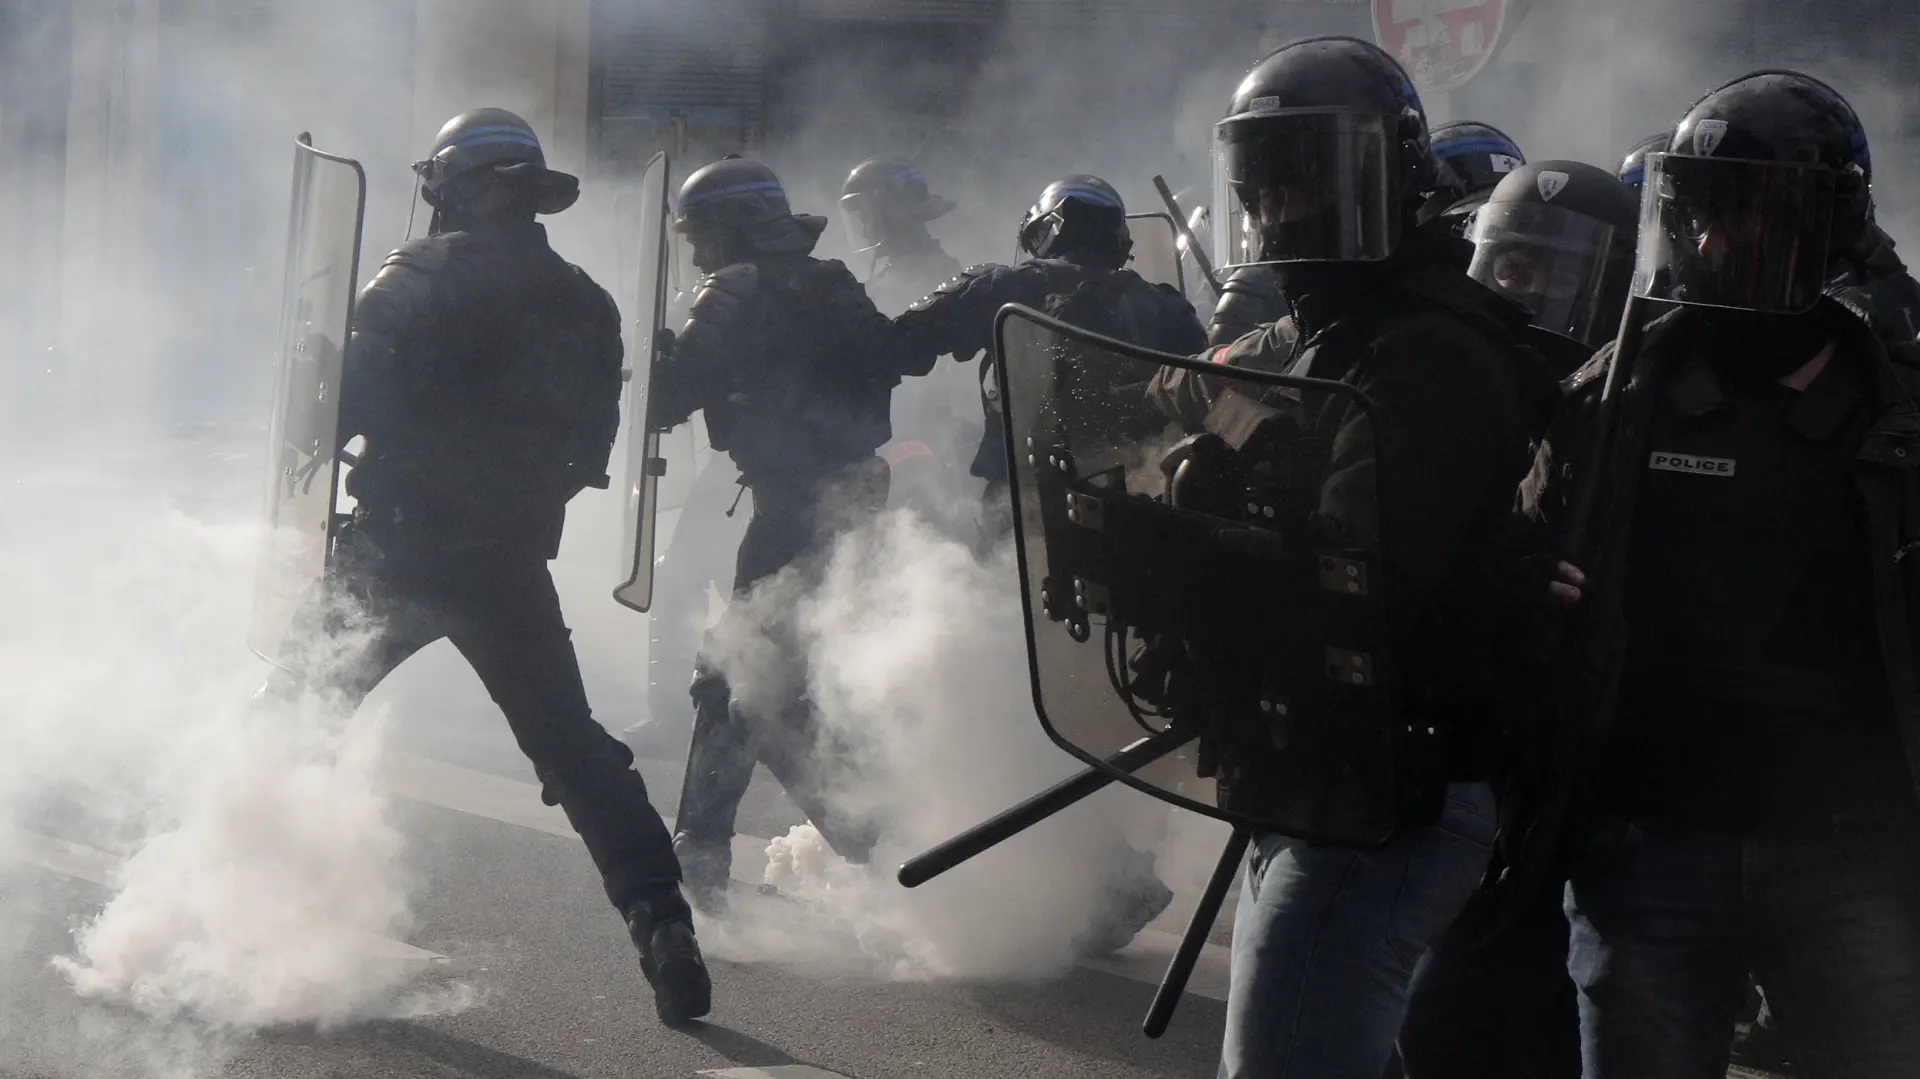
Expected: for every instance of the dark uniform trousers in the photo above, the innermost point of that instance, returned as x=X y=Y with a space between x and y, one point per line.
x=790 y=527
x=498 y=606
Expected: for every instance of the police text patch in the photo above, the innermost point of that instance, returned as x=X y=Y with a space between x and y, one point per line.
x=1689 y=463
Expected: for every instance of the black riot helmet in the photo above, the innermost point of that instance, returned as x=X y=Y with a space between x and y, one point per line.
x=1558 y=237
x=1080 y=215
x=885 y=198
x=1633 y=167
x=736 y=208
x=488 y=164
x=1765 y=184
x=1323 y=157
x=1477 y=156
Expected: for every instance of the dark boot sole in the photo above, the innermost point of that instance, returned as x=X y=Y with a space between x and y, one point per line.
x=682 y=990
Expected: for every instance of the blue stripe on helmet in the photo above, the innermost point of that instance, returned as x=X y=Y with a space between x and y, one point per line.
x=1634 y=175
x=1484 y=144
x=906 y=176
x=481 y=136
x=738 y=189
x=1090 y=194
x=494 y=140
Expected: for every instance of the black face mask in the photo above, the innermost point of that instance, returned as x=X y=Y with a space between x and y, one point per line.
x=1748 y=344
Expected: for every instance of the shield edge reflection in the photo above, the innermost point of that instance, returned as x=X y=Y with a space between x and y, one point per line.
x=642 y=491
x=305 y=154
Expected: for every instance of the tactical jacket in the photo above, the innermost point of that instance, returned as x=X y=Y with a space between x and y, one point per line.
x=484 y=373
x=1876 y=287
x=1442 y=359
x=958 y=318
x=787 y=358
x=907 y=271
x=1586 y=675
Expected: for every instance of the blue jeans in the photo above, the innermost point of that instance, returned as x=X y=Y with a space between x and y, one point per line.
x=1667 y=924
x=1326 y=942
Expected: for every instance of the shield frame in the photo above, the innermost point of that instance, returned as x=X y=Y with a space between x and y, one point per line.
x=1106 y=765
x=321 y=423
x=1137 y=226
x=645 y=461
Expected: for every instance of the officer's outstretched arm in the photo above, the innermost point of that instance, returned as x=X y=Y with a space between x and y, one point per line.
x=695 y=373
x=389 y=358
x=956 y=320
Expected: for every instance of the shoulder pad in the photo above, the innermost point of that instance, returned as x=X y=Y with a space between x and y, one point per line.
x=832 y=270
x=957 y=284
x=1588 y=372
x=740 y=280
x=429 y=254
x=590 y=287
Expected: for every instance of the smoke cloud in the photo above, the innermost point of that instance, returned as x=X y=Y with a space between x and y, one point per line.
x=914 y=656
x=252 y=857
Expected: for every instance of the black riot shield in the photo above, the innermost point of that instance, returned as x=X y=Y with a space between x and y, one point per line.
x=1156 y=250
x=645 y=303
x=304 y=451
x=1221 y=580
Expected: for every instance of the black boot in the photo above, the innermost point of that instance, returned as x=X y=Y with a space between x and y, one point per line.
x=662 y=928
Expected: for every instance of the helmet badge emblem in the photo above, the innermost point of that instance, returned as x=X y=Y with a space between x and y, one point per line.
x=1707 y=135
x=1551 y=184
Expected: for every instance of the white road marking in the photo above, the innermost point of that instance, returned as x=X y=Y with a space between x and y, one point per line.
x=516 y=802
x=782 y=1072
x=99 y=867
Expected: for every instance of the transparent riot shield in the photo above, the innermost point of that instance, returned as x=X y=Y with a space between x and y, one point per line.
x=1220 y=580
x=645 y=304
x=304 y=451
x=1156 y=250
x=636 y=268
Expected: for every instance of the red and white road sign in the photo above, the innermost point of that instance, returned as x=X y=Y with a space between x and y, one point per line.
x=1443 y=44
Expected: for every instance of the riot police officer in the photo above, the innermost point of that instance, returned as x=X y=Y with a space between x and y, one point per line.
x=1743 y=617
x=1633 y=166
x=1328 y=163
x=885 y=205
x=1494 y=1000
x=1478 y=156
x=484 y=376
x=1078 y=245
x=787 y=359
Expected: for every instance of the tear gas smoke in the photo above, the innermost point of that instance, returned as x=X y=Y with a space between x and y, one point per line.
x=915 y=660
x=258 y=871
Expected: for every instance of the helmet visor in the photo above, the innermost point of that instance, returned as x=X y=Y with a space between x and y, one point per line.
x=1308 y=186
x=1752 y=235
x=860 y=215
x=1572 y=271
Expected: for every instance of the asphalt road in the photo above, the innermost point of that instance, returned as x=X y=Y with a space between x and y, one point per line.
x=513 y=913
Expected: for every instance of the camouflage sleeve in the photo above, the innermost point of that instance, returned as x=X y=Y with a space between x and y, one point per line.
x=1187 y=396
x=391 y=358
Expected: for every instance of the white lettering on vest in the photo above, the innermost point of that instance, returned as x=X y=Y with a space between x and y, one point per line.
x=1692 y=465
